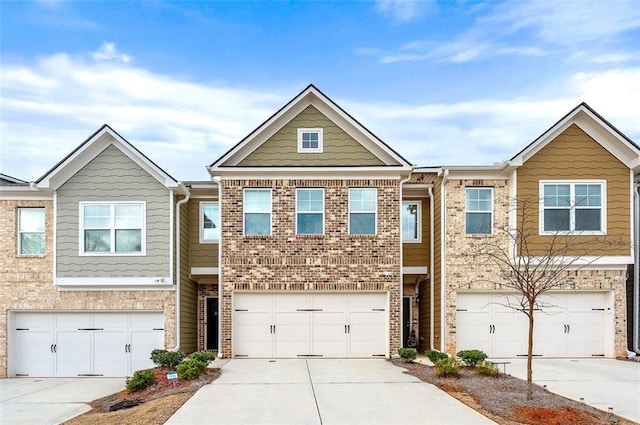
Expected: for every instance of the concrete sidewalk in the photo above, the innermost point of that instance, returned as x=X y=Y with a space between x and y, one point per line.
x=46 y=401
x=321 y=392
x=601 y=383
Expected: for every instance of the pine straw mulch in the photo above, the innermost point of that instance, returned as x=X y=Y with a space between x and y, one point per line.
x=158 y=402
x=503 y=399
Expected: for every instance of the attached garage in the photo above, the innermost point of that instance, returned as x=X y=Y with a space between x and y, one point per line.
x=575 y=324
x=267 y=325
x=64 y=344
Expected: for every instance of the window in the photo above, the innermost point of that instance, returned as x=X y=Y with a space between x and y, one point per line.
x=209 y=222
x=572 y=206
x=257 y=212
x=411 y=218
x=310 y=140
x=478 y=210
x=362 y=211
x=112 y=228
x=309 y=211
x=31 y=231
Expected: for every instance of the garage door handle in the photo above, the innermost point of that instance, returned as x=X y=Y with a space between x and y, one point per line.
x=54 y=348
x=347 y=329
x=568 y=328
x=51 y=348
x=377 y=309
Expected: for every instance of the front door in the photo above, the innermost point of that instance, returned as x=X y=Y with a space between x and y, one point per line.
x=406 y=320
x=211 y=323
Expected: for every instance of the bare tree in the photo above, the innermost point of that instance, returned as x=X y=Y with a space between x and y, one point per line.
x=531 y=264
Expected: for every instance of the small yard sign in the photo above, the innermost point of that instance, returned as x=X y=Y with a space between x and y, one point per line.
x=172 y=376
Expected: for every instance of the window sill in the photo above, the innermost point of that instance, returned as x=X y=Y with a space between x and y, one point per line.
x=363 y=236
x=479 y=236
x=31 y=255
x=310 y=236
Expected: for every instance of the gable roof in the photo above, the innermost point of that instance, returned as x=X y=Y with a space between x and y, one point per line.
x=92 y=147
x=311 y=95
x=592 y=123
x=8 y=180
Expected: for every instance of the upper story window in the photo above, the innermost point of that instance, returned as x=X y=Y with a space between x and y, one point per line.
x=478 y=210
x=112 y=228
x=411 y=219
x=257 y=212
x=209 y=222
x=363 y=205
x=31 y=231
x=309 y=211
x=309 y=140
x=572 y=206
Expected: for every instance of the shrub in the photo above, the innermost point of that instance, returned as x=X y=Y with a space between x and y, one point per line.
x=472 y=357
x=191 y=369
x=485 y=367
x=204 y=356
x=166 y=358
x=407 y=354
x=435 y=355
x=448 y=367
x=140 y=379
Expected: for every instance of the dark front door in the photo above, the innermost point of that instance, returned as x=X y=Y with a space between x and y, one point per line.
x=406 y=320
x=211 y=324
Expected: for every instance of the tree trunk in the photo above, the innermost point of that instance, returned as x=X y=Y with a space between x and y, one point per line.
x=530 y=354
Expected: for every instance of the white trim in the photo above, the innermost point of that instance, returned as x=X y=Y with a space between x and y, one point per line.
x=204 y=270
x=160 y=283
x=201 y=238
x=375 y=212
x=589 y=262
x=171 y=234
x=112 y=228
x=513 y=210
x=490 y=211
x=443 y=261
x=19 y=232
x=54 y=243
x=302 y=131
x=415 y=270
x=572 y=207
x=309 y=212
x=312 y=173
x=418 y=203
x=244 y=210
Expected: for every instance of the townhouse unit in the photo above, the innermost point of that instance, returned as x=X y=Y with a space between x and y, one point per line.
x=310 y=238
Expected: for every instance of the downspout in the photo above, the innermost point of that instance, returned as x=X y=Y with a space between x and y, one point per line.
x=431 y=260
x=218 y=181
x=402 y=182
x=178 y=265
x=636 y=271
x=443 y=260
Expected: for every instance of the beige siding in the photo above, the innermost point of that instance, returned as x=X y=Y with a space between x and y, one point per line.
x=109 y=177
x=340 y=149
x=188 y=288
x=575 y=155
x=201 y=254
x=417 y=254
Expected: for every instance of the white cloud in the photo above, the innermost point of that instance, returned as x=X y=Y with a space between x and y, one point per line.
x=108 y=52
x=404 y=10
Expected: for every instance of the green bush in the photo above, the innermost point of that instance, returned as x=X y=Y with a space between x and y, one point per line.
x=166 y=358
x=407 y=354
x=140 y=379
x=485 y=367
x=448 y=367
x=204 y=356
x=472 y=357
x=435 y=355
x=191 y=369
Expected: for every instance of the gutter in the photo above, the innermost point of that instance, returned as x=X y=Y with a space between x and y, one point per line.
x=176 y=313
x=218 y=181
x=636 y=271
x=401 y=311
x=443 y=259
x=431 y=261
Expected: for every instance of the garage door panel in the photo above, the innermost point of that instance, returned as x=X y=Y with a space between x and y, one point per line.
x=365 y=338
x=73 y=353
x=34 y=352
x=329 y=302
x=73 y=320
x=252 y=333
x=366 y=302
x=586 y=333
x=291 y=302
x=510 y=333
x=472 y=331
x=141 y=344
x=110 y=355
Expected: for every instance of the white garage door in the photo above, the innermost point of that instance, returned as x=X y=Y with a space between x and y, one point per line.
x=85 y=344
x=309 y=325
x=566 y=325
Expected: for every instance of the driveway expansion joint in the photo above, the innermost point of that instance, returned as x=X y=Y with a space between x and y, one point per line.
x=313 y=391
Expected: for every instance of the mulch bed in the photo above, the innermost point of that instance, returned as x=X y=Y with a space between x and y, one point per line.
x=504 y=399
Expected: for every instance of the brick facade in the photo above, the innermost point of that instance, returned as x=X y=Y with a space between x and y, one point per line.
x=335 y=261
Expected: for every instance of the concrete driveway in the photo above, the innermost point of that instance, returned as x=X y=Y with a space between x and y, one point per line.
x=321 y=392
x=601 y=383
x=46 y=401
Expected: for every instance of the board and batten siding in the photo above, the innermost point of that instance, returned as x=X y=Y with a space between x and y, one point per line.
x=339 y=149
x=574 y=155
x=200 y=254
x=111 y=177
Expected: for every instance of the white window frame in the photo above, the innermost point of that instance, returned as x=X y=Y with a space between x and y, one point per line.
x=572 y=207
x=112 y=229
x=245 y=212
x=317 y=131
x=375 y=212
x=309 y=212
x=20 y=232
x=202 y=239
x=418 y=219
x=490 y=211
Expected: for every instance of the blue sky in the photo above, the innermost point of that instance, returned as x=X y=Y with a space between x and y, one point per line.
x=442 y=82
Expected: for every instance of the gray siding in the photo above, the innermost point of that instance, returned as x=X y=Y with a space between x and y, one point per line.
x=112 y=176
x=188 y=289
